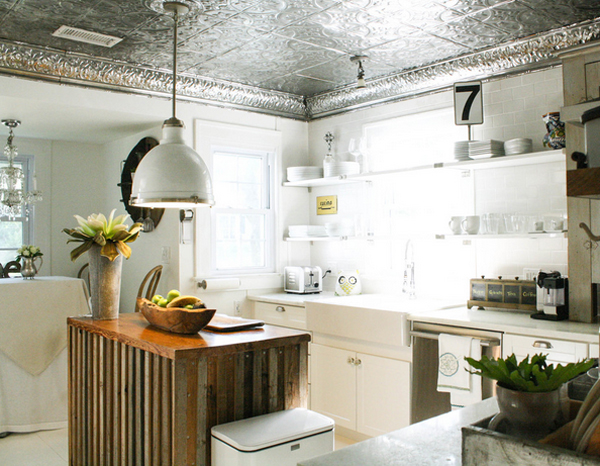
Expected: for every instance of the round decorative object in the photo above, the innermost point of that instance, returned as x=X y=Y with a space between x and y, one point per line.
x=149 y=218
x=175 y=319
x=448 y=364
x=105 y=284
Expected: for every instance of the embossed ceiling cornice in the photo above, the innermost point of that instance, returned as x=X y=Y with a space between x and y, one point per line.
x=45 y=63
x=524 y=55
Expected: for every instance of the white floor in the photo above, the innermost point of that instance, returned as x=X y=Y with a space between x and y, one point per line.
x=51 y=448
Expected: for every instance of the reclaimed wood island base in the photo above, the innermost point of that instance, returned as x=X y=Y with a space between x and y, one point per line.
x=140 y=395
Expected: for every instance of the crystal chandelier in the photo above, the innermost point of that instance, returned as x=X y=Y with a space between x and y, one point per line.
x=13 y=198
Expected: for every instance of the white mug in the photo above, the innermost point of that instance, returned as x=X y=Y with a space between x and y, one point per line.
x=455 y=225
x=470 y=224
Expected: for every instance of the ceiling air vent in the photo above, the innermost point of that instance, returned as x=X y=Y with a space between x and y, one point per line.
x=81 y=35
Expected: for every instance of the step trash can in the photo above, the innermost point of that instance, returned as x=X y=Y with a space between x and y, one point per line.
x=282 y=438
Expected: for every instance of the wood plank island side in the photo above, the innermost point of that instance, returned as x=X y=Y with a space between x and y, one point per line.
x=169 y=390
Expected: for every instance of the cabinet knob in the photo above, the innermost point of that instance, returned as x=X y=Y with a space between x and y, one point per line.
x=542 y=344
x=351 y=361
x=280 y=309
x=358 y=362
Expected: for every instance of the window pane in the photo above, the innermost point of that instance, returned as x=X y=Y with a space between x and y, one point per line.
x=225 y=167
x=249 y=196
x=11 y=234
x=227 y=255
x=7 y=256
x=250 y=169
x=252 y=254
x=226 y=194
x=253 y=227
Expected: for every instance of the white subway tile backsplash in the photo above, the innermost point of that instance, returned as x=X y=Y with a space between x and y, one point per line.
x=515 y=105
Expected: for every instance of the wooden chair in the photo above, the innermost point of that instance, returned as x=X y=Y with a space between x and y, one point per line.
x=84 y=274
x=152 y=278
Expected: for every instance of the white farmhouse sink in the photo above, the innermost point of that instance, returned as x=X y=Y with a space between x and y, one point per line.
x=378 y=318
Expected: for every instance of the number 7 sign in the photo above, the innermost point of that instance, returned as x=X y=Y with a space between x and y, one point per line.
x=468 y=103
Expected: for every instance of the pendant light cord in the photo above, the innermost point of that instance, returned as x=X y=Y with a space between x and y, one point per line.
x=176 y=19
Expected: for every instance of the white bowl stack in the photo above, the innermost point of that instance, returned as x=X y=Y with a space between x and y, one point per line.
x=518 y=146
x=304 y=173
x=341 y=168
x=461 y=150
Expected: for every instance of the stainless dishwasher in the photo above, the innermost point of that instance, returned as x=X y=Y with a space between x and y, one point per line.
x=426 y=401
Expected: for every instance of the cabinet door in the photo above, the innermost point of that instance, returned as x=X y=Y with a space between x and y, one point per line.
x=383 y=389
x=333 y=384
x=558 y=351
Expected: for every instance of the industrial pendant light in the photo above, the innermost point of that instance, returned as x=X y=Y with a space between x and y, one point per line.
x=172 y=175
x=360 y=78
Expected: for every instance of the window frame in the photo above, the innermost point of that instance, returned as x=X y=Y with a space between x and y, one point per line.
x=27 y=165
x=267 y=159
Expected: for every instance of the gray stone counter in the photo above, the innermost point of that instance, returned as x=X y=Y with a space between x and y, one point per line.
x=436 y=441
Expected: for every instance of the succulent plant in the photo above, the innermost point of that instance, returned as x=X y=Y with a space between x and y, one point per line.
x=528 y=376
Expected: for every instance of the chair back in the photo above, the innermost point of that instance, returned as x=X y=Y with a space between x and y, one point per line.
x=151 y=281
x=84 y=274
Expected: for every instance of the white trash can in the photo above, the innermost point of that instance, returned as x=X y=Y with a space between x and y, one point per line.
x=282 y=438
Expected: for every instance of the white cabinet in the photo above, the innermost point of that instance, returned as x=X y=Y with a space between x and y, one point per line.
x=283 y=315
x=594 y=351
x=361 y=392
x=558 y=351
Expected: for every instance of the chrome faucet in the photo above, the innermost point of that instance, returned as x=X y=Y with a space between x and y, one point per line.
x=408 y=286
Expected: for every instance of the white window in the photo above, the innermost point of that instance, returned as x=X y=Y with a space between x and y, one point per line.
x=237 y=236
x=16 y=232
x=242 y=219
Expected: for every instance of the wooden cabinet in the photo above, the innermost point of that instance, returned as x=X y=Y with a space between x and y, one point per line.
x=139 y=395
x=366 y=393
x=558 y=351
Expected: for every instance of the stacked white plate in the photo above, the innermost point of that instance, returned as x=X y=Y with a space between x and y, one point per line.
x=486 y=149
x=304 y=173
x=461 y=150
x=341 y=168
x=302 y=231
x=518 y=146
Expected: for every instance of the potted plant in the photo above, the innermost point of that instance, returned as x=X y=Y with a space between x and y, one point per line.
x=530 y=397
x=105 y=240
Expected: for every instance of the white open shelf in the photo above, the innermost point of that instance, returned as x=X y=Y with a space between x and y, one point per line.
x=532 y=158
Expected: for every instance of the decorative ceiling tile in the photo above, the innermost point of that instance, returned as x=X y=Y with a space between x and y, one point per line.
x=299 y=48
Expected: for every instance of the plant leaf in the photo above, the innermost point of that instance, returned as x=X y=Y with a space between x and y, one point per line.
x=109 y=250
x=123 y=249
x=78 y=251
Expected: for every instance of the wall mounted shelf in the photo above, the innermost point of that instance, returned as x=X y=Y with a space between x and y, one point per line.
x=532 y=158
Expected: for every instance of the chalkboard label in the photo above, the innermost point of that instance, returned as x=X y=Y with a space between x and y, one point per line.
x=495 y=293
x=511 y=294
x=478 y=291
x=528 y=295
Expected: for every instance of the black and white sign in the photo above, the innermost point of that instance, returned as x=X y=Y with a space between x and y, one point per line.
x=468 y=103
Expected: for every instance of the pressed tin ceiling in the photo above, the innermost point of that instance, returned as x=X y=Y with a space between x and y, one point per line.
x=291 y=57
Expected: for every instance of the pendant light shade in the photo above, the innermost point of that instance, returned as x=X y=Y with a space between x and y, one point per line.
x=172 y=175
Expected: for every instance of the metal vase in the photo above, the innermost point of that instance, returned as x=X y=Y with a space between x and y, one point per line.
x=28 y=269
x=105 y=284
x=532 y=415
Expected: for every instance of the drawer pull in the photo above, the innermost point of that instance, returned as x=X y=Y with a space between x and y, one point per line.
x=542 y=344
x=280 y=309
x=351 y=361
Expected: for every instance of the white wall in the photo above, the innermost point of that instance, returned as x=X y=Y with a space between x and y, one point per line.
x=86 y=134
x=418 y=206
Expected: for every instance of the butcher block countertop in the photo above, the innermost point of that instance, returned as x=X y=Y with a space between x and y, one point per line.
x=134 y=330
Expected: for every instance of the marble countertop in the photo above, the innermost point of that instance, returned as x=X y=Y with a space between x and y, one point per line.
x=436 y=441
x=510 y=322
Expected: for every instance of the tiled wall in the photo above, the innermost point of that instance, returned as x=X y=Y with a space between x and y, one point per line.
x=417 y=206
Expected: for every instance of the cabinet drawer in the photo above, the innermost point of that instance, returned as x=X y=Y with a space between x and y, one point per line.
x=281 y=314
x=558 y=351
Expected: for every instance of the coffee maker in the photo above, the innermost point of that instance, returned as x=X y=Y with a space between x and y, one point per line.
x=555 y=300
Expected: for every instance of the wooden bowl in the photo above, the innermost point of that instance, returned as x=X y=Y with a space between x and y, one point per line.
x=175 y=319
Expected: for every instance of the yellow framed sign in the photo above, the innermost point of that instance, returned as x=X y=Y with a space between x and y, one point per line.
x=326 y=205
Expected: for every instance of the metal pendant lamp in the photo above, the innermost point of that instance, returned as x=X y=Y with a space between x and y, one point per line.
x=172 y=175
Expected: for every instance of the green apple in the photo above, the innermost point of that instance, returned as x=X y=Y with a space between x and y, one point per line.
x=189 y=306
x=163 y=302
x=156 y=298
x=171 y=295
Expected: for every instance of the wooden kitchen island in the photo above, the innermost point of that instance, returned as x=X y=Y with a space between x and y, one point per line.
x=140 y=395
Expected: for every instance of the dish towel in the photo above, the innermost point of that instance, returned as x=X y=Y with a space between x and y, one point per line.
x=464 y=388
